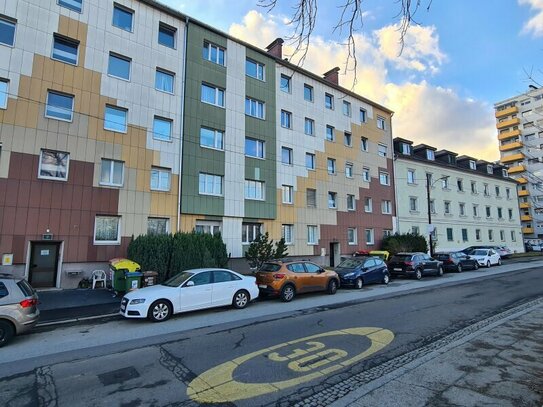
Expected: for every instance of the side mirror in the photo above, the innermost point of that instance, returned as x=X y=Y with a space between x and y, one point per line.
x=189 y=284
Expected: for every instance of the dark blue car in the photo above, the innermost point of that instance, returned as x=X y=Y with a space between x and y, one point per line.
x=358 y=271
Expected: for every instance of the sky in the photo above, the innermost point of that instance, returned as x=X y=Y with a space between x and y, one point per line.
x=461 y=58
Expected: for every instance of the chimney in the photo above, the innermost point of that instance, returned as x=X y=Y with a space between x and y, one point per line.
x=276 y=48
x=332 y=75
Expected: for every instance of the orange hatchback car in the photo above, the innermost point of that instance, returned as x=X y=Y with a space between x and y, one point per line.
x=289 y=278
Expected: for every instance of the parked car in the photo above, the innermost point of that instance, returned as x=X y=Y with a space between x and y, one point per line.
x=504 y=251
x=414 y=265
x=471 y=249
x=18 y=307
x=290 y=278
x=188 y=291
x=456 y=261
x=486 y=257
x=358 y=271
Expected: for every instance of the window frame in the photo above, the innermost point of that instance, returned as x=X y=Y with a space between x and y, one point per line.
x=411 y=179
x=62 y=94
x=165 y=73
x=257 y=104
x=289 y=83
x=124 y=58
x=156 y=218
x=332 y=198
x=310 y=193
x=313 y=158
x=245 y=227
x=347 y=108
x=217 y=92
x=215 y=133
x=311 y=123
x=164 y=120
x=107 y=242
x=331 y=169
x=349 y=174
x=63 y=3
x=364 y=144
x=118 y=109
x=386 y=207
x=287 y=193
x=4 y=105
x=366 y=175
x=382 y=150
x=290 y=161
x=333 y=136
x=351 y=202
x=311 y=93
x=368 y=204
x=40 y=164
x=219 y=49
x=261 y=187
x=257 y=65
x=165 y=28
x=213 y=178
x=123 y=8
x=160 y=171
x=112 y=163
x=352 y=236
x=386 y=176
x=381 y=123
x=331 y=97
x=69 y=41
x=363 y=115
x=371 y=240
x=286 y=119
x=348 y=139
x=260 y=146
x=313 y=234
x=290 y=228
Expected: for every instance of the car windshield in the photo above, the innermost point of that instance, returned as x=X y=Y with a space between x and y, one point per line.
x=441 y=256
x=480 y=252
x=401 y=257
x=270 y=267
x=351 y=263
x=178 y=279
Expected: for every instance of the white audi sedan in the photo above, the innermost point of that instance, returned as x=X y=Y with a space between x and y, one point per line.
x=486 y=257
x=190 y=290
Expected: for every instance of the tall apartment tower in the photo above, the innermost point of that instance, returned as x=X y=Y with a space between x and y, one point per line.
x=519 y=121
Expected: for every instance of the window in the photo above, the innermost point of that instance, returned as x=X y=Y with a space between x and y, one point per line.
x=157 y=226
x=447 y=206
x=308 y=92
x=210 y=184
x=287 y=232
x=473 y=187
x=4 y=92
x=64 y=49
x=450 y=234
x=286 y=119
x=7 y=31
x=115 y=119
x=309 y=127
x=346 y=108
x=387 y=232
x=254 y=190
x=332 y=204
x=331 y=165
x=380 y=122
x=254 y=108
x=213 y=53
x=119 y=66
x=384 y=178
x=162 y=129
x=59 y=106
x=349 y=170
x=432 y=206
x=311 y=197
x=513 y=236
x=464 y=235
x=485 y=190
x=430 y=155
x=405 y=148
x=288 y=192
x=500 y=214
x=166 y=35
x=254 y=148
x=329 y=133
x=368 y=204
x=415 y=230
x=472 y=165
x=212 y=138
x=311 y=234
x=382 y=150
x=250 y=231
x=497 y=188
x=164 y=81
x=413 y=204
x=352 y=237
x=328 y=101
x=386 y=207
x=209 y=227
x=366 y=174
x=510 y=213
x=477 y=234
x=363 y=115
x=54 y=165
x=369 y=236
x=475 y=210
x=286 y=155
x=351 y=202
x=112 y=173
x=212 y=95
x=75 y=5
x=487 y=209
x=445 y=183
x=254 y=69
x=489 y=169
x=107 y=230
x=490 y=235
x=462 y=209
x=348 y=139
x=310 y=161
x=508 y=193
x=502 y=235
x=285 y=83
x=122 y=17
x=460 y=185
x=364 y=144
x=410 y=176
x=160 y=179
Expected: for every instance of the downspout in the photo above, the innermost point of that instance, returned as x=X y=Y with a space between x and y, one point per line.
x=182 y=134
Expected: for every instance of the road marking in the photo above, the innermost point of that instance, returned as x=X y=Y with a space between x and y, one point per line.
x=218 y=385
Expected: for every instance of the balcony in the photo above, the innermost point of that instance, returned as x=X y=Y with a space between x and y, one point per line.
x=523 y=192
x=524 y=205
x=512 y=157
x=509 y=134
x=511 y=146
x=525 y=218
x=508 y=123
x=521 y=180
x=506 y=112
x=527 y=231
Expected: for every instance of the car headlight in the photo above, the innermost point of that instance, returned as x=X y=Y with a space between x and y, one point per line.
x=348 y=275
x=137 y=301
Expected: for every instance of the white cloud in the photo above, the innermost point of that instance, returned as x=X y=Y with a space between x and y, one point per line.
x=534 y=24
x=423 y=113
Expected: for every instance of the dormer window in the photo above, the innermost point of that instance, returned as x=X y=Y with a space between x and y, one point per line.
x=472 y=165
x=490 y=169
x=405 y=148
x=430 y=155
x=504 y=173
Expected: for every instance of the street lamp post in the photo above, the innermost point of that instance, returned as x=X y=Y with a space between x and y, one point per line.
x=430 y=184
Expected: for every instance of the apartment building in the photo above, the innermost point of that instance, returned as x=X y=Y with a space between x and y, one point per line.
x=519 y=121
x=471 y=202
x=120 y=118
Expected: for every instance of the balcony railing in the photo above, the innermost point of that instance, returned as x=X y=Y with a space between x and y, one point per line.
x=508 y=123
x=506 y=112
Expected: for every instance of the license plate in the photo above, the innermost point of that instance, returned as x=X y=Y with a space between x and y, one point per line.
x=397 y=269
x=262 y=286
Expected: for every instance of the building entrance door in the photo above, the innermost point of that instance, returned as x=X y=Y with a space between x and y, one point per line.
x=334 y=254
x=43 y=264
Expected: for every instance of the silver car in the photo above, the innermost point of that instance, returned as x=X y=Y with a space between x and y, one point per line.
x=18 y=307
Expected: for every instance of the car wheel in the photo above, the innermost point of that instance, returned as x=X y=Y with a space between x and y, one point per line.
x=499 y=262
x=241 y=299
x=159 y=311
x=488 y=264
x=459 y=268
x=332 y=286
x=418 y=274
x=386 y=279
x=439 y=271
x=287 y=293
x=6 y=332
x=358 y=284
x=476 y=266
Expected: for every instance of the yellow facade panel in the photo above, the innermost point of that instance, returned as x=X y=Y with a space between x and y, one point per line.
x=523 y=193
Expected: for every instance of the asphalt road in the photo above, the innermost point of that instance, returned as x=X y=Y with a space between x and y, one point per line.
x=271 y=361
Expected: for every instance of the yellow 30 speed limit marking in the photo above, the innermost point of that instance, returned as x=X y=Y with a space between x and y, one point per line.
x=312 y=359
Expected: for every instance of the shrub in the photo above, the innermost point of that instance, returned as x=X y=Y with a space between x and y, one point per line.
x=406 y=242
x=262 y=250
